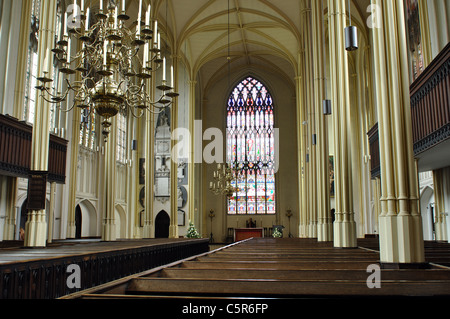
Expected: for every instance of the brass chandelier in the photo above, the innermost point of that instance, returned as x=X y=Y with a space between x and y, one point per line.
x=114 y=64
x=222 y=184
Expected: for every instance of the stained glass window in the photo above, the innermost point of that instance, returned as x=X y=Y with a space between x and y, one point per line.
x=121 y=137
x=251 y=149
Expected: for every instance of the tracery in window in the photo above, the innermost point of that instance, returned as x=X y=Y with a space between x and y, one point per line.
x=32 y=64
x=121 y=137
x=251 y=149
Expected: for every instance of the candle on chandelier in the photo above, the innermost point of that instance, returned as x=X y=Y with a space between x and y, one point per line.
x=123 y=5
x=172 y=83
x=65 y=24
x=46 y=59
x=164 y=69
x=87 y=18
x=105 y=51
x=155 y=31
x=147 y=16
x=82 y=5
x=159 y=41
x=68 y=51
x=115 y=18
x=144 y=64
x=101 y=5
x=139 y=18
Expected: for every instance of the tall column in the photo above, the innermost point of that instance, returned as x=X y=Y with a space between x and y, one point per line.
x=149 y=229
x=191 y=167
x=51 y=212
x=309 y=121
x=344 y=225
x=324 y=226
x=425 y=32
x=173 y=228
x=36 y=226
x=301 y=149
x=440 y=223
x=109 y=224
x=401 y=237
x=22 y=55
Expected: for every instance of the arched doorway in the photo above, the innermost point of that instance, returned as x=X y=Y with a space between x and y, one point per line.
x=78 y=222
x=162 y=224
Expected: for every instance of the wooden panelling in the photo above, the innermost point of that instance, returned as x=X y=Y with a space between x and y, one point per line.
x=15 y=151
x=430 y=104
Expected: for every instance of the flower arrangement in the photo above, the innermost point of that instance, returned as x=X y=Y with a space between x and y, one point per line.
x=192 y=231
x=277 y=233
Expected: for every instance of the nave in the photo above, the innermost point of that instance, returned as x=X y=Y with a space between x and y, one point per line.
x=282 y=268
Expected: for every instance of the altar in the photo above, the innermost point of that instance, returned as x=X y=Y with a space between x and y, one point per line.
x=245 y=233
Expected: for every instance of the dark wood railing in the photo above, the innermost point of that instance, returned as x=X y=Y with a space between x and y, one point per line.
x=430 y=104
x=15 y=151
x=47 y=278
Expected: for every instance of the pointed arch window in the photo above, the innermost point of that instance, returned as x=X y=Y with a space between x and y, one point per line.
x=250 y=148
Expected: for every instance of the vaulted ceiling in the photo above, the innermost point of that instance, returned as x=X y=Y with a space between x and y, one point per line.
x=253 y=33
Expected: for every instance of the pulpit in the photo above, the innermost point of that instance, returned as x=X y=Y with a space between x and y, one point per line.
x=245 y=233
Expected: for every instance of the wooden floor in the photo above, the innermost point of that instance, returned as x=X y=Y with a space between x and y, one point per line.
x=280 y=268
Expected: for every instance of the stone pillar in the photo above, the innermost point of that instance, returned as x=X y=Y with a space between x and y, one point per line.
x=109 y=200
x=191 y=167
x=149 y=229
x=9 y=189
x=173 y=228
x=440 y=222
x=344 y=225
x=324 y=226
x=51 y=212
x=400 y=223
x=36 y=226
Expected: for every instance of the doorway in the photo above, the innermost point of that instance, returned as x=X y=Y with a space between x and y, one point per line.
x=78 y=222
x=162 y=224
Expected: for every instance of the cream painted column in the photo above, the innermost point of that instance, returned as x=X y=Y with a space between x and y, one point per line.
x=401 y=237
x=19 y=91
x=425 y=32
x=173 y=228
x=309 y=120
x=344 y=225
x=51 y=212
x=324 y=226
x=301 y=149
x=36 y=226
x=191 y=167
x=109 y=232
x=149 y=229
x=440 y=223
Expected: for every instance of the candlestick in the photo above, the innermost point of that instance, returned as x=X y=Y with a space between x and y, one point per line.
x=171 y=77
x=123 y=5
x=147 y=16
x=155 y=31
x=65 y=24
x=115 y=18
x=159 y=41
x=101 y=5
x=68 y=51
x=105 y=49
x=164 y=69
x=87 y=18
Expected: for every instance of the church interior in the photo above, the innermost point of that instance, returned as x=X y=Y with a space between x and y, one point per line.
x=224 y=148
